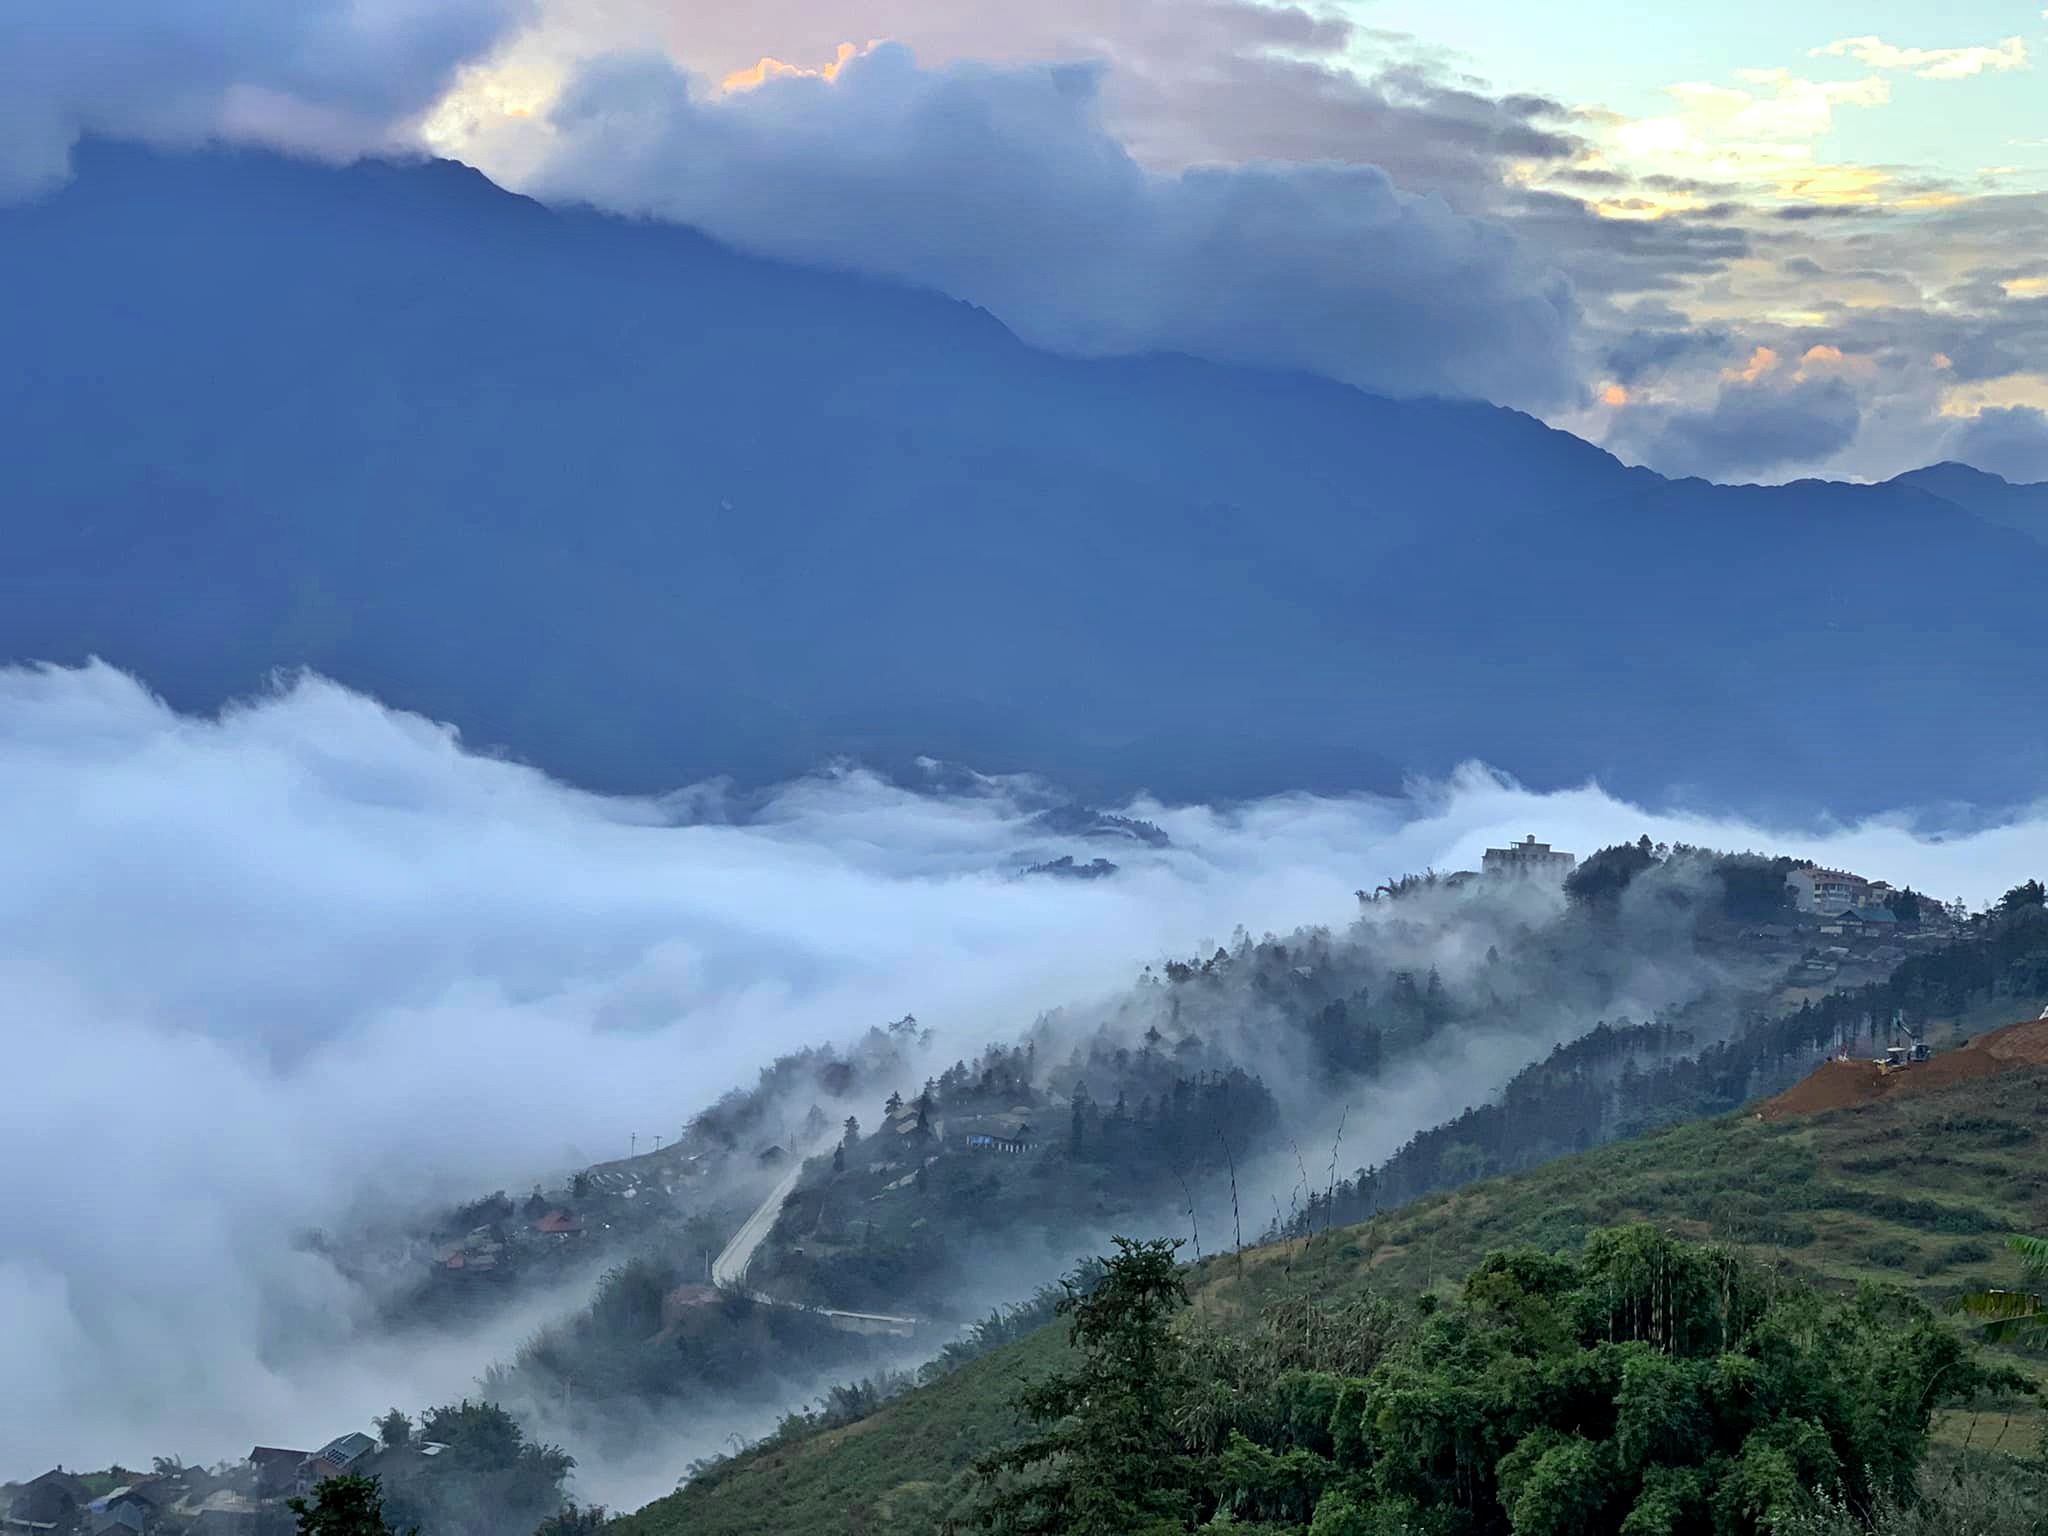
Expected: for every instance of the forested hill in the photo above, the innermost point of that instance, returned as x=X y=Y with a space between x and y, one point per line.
x=1663 y=984
x=1620 y=1081
x=1913 y=1193
x=644 y=510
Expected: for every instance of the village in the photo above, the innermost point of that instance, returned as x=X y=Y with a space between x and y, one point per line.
x=245 y=1499
x=1834 y=929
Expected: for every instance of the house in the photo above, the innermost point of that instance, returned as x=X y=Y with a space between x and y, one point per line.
x=479 y=1255
x=979 y=1141
x=1528 y=860
x=53 y=1502
x=1829 y=892
x=277 y=1471
x=337 y=1458
x=132 y=1507
x=1870 y=920
x=559 y=1223
x=1009 y=1132
x=125 y=1519
x=227 y=1513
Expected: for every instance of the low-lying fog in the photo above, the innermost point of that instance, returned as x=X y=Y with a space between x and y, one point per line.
x=270 y=971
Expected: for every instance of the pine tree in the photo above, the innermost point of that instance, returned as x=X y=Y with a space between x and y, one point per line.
x=1108 y=1462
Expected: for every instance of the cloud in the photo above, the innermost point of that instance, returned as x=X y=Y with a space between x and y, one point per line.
x=2006 y=440
x=1765 y=416
x=1752 y=138
x=329 y=77
x=1928 y=63
x=312 y=958
x=1185 y=82
x=1005 y=187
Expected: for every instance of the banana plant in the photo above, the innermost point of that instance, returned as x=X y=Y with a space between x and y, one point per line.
x=2015 y=1316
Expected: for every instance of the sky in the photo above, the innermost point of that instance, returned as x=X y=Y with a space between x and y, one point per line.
x=1782 y=240
x=313 y=958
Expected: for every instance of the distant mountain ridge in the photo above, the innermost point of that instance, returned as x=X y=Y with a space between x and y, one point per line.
x=644 y=510
x=1991 y=497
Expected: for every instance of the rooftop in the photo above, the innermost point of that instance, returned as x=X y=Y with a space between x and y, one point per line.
x=347 y=1448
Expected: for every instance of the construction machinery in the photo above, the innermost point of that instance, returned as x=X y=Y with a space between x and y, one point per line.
x=1904 y=1046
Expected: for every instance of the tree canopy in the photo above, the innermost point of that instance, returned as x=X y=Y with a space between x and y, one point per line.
x=1108 y=1462
x=342 y=1506
x=1649 y=1387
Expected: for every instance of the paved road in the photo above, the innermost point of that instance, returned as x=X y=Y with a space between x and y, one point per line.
x=729 y=1269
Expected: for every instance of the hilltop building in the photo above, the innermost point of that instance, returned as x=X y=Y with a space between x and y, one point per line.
x=1829 y=892
x=1529 y=860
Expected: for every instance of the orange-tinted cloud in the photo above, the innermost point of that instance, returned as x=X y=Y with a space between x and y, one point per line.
x=1761 y=362
x=775 y=69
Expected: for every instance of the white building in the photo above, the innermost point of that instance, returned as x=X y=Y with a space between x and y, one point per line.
x=1529 y=860
x=1829 y=892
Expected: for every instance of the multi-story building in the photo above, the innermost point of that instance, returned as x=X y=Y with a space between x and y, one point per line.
x=1829 y=892
x=1529 y=860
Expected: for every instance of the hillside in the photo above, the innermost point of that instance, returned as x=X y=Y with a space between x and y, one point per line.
x=1912 y=1190
x=643 y=510
x=1846 y=1082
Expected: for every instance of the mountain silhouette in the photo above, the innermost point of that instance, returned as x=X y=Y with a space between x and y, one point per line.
x=642 y=509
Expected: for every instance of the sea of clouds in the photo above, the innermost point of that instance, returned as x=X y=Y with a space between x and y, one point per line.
x=264 y=971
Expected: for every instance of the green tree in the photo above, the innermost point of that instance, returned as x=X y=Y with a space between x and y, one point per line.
x=574 y=1520
x=1108 y=1461
x=394 y=1429
x=1650 y=1387
x=2028 y=893
x=1600 y=880
x=2020 y=1316
x=342 y=1506
x=491 y=1478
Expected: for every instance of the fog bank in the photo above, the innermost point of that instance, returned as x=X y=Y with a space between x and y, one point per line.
x=263 y=972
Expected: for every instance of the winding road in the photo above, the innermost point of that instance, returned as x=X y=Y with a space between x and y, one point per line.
x=731 y=1265
x=729 y=1269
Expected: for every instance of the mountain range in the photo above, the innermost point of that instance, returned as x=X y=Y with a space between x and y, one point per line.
x=643 y=509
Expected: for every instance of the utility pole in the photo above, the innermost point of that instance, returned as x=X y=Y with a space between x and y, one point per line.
x=634 y=1144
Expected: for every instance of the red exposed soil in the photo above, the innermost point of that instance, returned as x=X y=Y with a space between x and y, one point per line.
x=1841 y=1084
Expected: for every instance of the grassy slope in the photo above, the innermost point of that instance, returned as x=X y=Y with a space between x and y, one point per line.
x=1911 y=1191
